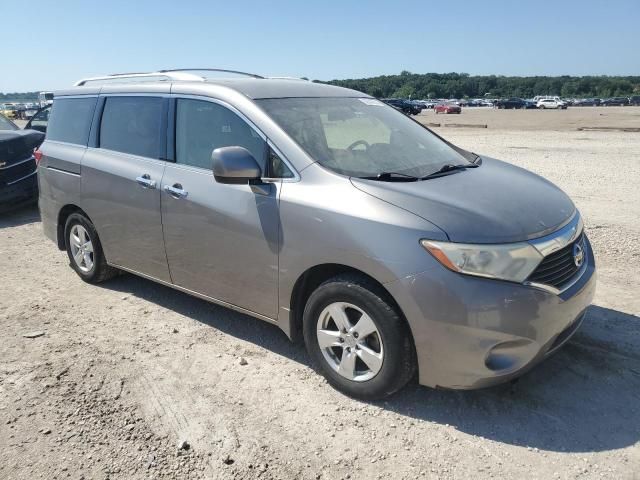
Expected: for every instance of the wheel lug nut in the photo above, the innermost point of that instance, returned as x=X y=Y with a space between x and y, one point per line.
x=341 y=340
x=355 y=334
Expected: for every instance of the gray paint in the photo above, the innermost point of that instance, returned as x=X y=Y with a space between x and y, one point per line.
x=125 y=213
x=245 y=246
x=495 y=203
x=222 y=240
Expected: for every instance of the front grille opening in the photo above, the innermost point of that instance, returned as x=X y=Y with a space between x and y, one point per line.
x=558 y=268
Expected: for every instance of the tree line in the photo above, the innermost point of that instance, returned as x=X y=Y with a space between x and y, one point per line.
x=24 y=96
x=463 y=85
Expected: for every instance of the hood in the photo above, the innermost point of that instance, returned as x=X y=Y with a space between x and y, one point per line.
x=494 y=203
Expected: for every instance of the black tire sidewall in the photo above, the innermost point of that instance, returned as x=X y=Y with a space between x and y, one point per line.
x=397 y=344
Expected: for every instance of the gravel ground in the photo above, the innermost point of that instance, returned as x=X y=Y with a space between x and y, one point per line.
x=131 y=379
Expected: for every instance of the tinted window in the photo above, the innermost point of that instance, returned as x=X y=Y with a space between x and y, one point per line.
x=202 y=126
x=132 y=125
x=70 y=120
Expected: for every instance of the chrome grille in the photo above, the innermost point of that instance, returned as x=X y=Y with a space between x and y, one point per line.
x=558 y=268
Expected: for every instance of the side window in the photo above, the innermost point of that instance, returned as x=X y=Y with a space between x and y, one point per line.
x=132 y=125
x=276 y=167
x=203 y=126
x=70 y=120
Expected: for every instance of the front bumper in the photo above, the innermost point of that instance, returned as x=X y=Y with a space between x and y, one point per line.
x=472 y=333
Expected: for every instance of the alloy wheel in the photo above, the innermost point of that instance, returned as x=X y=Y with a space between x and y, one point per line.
x=81 y=248
x=350 y=341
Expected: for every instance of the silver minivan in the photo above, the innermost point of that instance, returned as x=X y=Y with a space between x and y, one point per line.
x=393 y=253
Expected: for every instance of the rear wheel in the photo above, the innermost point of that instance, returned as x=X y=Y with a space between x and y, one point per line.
x=85 y=251
x=357 y=339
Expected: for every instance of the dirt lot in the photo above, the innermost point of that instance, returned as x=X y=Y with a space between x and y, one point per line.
x=557 y=120
x=127 y=370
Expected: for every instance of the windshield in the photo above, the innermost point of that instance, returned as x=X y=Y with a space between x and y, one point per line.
x=360 y=137
x=6 y=124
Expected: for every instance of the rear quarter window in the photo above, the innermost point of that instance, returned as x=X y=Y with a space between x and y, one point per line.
x=70 y=120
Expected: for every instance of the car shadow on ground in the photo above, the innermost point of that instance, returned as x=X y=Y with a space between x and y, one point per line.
x=584 y=398
x=19 y=216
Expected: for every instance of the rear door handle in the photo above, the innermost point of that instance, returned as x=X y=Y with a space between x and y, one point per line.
x=176 y=190
x=145 y=181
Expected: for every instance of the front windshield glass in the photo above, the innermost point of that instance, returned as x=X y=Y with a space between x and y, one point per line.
x=361 y=137
x=6 y=124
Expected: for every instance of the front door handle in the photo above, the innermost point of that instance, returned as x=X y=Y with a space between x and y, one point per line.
x=145 y=181
x=176 y=191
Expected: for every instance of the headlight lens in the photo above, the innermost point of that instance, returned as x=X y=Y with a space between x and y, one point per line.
x=513 y=262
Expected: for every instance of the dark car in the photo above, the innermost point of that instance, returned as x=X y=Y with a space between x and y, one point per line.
x=634 y=100
x=511 y=103
x=586 y=102
x=18 y=182
x=405 y=106
x=615 y=102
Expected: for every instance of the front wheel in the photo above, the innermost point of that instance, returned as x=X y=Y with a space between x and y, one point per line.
x=357 y=339
x=85 y=251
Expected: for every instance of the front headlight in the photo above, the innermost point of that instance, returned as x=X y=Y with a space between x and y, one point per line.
x=513 y=262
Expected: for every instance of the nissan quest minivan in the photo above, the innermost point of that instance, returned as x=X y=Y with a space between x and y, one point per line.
x=390 y=251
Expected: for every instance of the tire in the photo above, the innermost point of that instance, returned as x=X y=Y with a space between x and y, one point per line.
x=390 y=345
x=92 y=265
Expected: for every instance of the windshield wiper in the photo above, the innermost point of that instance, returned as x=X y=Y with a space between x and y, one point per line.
x=393 y=176
x=448 y=168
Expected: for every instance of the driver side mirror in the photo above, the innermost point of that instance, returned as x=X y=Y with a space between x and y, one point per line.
x=234 y=165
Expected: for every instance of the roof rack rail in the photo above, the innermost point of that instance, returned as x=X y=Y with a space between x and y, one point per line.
x=166 y=75
x=289 y=78
x=237 y=72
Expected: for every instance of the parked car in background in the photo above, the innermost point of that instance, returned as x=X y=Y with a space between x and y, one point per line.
x=428 y=103
x=546 y=103
x=615 y=102
x=9 y=110
x=29 y=112
x=511 y=103
x=417 y=104
x=634 y=100
x=447 y=108
x=405 y=106
x=396 y=253
x=18 y=183
x=40 y=119
x=586 y=102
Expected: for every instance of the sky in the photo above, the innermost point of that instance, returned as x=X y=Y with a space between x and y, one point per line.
x=47 y=45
